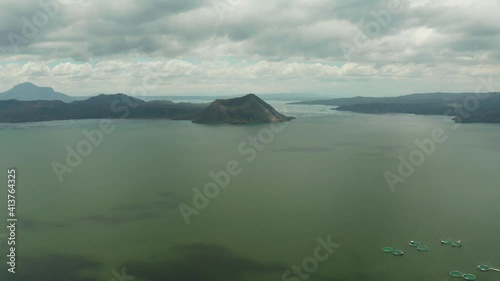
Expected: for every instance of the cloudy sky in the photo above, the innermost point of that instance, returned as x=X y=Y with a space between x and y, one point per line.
x=330 y=47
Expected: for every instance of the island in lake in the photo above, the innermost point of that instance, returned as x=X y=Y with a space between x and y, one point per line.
x=249 y=109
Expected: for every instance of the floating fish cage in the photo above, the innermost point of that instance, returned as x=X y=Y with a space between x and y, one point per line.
x=414 y=244
x=397 y=253
x=469 y=277
x=423 y=248
x=387 y=250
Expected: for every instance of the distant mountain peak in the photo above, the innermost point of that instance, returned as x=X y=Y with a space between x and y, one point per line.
x=29 y=85
x=241 y=100
x=25 y=84
x=105 y=98
x=28 y=91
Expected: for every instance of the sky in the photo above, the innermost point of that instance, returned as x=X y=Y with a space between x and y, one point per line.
x=227 y=47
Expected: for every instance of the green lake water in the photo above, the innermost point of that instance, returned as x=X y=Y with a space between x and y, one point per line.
x=323 y=175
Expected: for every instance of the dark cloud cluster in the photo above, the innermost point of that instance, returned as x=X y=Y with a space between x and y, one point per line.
x=279 y=29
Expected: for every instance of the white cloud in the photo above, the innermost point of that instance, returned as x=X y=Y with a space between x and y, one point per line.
x=91 y=46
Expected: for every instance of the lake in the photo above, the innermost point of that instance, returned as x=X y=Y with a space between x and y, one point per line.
x=319 y=178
